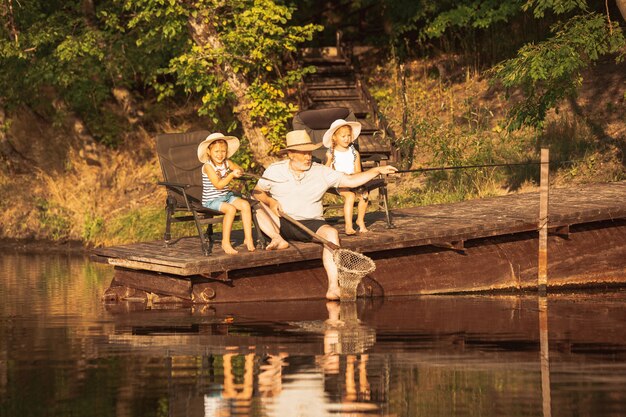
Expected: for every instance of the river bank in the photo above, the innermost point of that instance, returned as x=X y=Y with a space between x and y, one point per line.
x=33 y=246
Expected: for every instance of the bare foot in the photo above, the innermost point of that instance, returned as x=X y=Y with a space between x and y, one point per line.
x=362 y=228
x=277 y=243
x=350 y=232
x=229 y=249
x=333 y=294
x=250 y=245
x=333 y=309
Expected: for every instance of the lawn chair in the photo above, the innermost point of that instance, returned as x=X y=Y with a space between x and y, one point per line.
x=182 y=178
x=316 y=122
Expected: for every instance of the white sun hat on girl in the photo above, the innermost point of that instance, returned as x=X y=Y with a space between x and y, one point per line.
x=231 y=141
x=327 y=140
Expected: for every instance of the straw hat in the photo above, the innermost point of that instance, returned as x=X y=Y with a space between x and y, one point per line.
x=328 y=136
x=299 y=140
x=231 y=141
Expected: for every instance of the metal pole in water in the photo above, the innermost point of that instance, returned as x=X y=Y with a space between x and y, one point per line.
x=543 y=221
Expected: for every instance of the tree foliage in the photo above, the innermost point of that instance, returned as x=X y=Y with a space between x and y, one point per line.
x=551 y=70
x=545 y=71
x=146 y=44
x=54 y=50
x=79 y=50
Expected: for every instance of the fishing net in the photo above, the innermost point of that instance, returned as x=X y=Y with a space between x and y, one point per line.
x=352 y=267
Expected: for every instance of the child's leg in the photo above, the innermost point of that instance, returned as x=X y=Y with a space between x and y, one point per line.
x=361 y=209
x=348 y=209
x=246 y=218
x=227 y=224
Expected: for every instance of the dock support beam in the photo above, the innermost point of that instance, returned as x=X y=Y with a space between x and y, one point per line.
x=542 y=279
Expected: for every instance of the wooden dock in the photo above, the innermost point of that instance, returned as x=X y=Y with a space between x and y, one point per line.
x=435 y=244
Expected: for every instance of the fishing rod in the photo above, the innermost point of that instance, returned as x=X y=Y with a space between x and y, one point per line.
x=403 y=171
x=259 y=177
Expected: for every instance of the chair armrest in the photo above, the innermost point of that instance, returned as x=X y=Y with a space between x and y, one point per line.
x=174 y=184
x=373 y=158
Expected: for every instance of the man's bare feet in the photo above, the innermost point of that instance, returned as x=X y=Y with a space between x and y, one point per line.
x=333 y=294
x=277 y=243
x=250 y=245
x=228 y=248
x=362 y=228
x=333 y=309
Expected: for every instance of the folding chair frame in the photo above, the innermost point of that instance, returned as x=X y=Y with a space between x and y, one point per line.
x=185 y=197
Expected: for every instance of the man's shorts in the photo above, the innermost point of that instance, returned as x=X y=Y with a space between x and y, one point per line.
x=290 y=231
x=217 y=202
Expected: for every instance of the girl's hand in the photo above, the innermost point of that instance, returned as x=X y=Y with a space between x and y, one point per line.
x=237 y=173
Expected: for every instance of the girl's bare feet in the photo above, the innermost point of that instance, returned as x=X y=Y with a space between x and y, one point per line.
x=229 y=249
x=250 y=245
x=362 y=228
x=350 y=232
x=277 y=243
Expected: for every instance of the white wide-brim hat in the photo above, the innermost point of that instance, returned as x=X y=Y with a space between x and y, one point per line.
x=328 y=136
x=231 y=141
x=299 y=140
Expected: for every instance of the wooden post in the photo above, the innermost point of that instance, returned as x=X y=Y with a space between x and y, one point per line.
x=543 y=221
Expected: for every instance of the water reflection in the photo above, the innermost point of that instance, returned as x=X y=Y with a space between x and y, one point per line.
x=65 y=352
x=542 y=302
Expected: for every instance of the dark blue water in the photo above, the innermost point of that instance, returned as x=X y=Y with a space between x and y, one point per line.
x=64 y=352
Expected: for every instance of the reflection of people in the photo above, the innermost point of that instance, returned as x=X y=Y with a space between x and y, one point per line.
x=297 y=188
x=217 y=172
x=242 y=392
x=342 y=156
x=332 y=348
x=271 y=375
x=330 y=362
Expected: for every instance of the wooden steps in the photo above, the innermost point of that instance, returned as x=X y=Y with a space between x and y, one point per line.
x=335 y=84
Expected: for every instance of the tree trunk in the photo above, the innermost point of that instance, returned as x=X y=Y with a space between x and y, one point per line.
x=204 y=34
x=621 y=4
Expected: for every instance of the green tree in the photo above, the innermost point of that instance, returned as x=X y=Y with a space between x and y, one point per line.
x=58 y=55
x=234 y=52
x=545 y=71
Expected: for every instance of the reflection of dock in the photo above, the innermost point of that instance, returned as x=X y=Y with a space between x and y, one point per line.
x=400 y=324
x=271 y=357
x=479 y=245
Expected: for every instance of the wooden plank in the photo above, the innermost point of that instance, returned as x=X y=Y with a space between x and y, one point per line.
x=157 y=283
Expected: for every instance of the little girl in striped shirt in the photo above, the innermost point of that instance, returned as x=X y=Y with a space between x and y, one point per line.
x=217 y=172
x=343 y=156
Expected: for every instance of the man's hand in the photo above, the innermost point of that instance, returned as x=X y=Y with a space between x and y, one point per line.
x=275 y=207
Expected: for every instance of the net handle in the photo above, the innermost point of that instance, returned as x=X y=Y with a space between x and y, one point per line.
x=330 y=245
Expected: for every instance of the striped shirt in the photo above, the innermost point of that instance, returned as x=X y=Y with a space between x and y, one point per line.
x=209 y=192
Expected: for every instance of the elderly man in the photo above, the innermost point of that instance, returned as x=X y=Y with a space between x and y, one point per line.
x=296 y=186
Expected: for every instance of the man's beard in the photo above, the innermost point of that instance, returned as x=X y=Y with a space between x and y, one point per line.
x=301 y=166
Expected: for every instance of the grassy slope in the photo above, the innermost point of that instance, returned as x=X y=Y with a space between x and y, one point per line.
x=461 y=121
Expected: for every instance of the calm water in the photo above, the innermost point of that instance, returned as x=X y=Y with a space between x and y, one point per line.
x=65 y=353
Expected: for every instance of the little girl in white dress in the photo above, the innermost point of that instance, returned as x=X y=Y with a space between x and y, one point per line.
x=343 y=156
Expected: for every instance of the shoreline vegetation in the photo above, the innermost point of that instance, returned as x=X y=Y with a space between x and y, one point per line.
x=113 y=198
